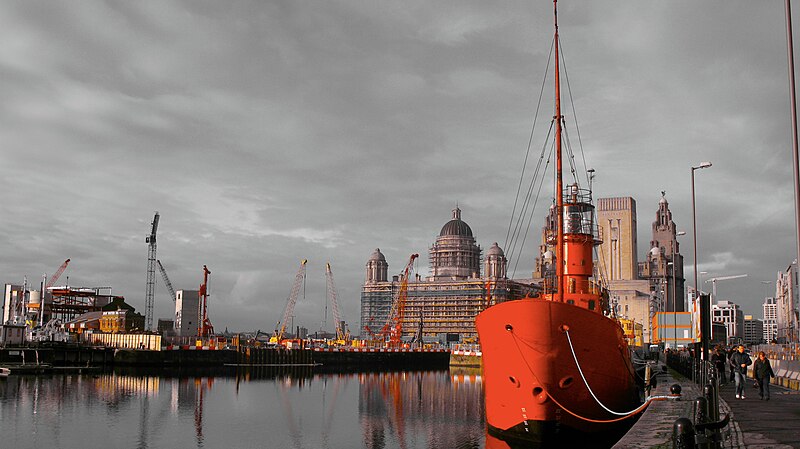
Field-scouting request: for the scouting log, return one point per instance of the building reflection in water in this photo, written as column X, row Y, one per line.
column 290, row 408
column 444, row 408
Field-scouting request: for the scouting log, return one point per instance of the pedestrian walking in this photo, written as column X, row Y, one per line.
column 762, row 371
column 720, row 362
column 740, row 361
column 733, row 368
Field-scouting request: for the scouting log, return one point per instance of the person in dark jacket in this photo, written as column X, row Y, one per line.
column 762, row 371
column 733, row 368
column 740, row 361
column 720, row 362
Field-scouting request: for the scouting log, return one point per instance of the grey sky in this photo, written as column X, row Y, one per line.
column 269, row 132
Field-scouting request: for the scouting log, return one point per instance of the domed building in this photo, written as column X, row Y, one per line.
column 455, row 255
column 444, row 304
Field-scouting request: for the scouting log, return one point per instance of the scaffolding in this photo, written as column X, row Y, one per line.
column 66, row 303
column 444, row 307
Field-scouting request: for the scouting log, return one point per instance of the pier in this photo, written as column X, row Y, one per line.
column 754, row 423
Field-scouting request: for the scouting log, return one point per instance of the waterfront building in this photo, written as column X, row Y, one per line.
column 729, row 314
column 632, row 300
column 617, row 255
column 639, row 289
column 13, row 298
column 753, row 330
column 446, row 301
column 187, row 312
column 663, row 267
column 770, row 319
column 166, row 327
column 787, row 304
column 113, row 318
column 455, row 255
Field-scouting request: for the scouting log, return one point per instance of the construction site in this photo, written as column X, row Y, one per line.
column 58, row 313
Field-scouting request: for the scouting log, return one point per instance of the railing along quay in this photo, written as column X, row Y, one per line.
column 690, row 419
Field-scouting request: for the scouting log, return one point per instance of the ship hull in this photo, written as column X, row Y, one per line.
column 533, row 387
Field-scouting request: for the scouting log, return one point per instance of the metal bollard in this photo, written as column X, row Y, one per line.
column 683, row 434
column 712, row 396
column 700, row 410
column 710, row 392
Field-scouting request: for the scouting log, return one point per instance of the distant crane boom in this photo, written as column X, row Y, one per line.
column 721, row 278
column 340, row 332
column 396, row 331
column 292, row 300
column 166, row 279
column 151, row 273
column 56, row 275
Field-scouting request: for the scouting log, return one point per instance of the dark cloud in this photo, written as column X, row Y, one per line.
column 266, row 133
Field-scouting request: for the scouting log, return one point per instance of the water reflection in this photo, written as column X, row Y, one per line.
column 445, row 410
column 263, row 407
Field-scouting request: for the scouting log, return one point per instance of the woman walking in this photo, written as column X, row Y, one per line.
column 762, row 371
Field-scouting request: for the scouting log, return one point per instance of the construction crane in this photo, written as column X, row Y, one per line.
column 166, row 279
column 56, row 275
column 722, row 278
column 341, row 335
column 151, row 273
column 205, row 328
column 290, row 302
column 396, row 318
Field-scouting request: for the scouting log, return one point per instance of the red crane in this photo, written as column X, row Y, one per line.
column 205, row 328
column 55, row 276
column 396, row 318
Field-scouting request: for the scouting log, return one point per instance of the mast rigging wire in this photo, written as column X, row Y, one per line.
column 530, row 141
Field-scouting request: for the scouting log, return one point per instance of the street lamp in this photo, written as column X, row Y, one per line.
column 703, row 336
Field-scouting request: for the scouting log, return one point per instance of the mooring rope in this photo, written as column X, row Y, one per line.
column 580, row 371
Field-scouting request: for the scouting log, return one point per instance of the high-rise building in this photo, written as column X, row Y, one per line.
column 447, row 301
column 770, row 319
column 616, row 218
column 753, row 330
column 664, row 264
column 187, row 312
column 729, row 314
column 788, row 305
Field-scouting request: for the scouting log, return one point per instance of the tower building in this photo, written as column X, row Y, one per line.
column 616, row 218
column 664, row 264
column 770, row 312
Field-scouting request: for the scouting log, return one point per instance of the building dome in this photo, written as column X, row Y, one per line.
column 377, row 268
column 377, row 255
column 455, row 255
column 456, row 227
column 495, row 250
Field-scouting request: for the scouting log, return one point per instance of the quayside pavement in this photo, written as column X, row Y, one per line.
column 759, row 424
column 755, row 424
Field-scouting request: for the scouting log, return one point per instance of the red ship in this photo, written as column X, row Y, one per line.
column 556, row 367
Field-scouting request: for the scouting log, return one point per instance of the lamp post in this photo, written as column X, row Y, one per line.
column 703, row 336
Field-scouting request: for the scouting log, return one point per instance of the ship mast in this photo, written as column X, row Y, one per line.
column 559, row 183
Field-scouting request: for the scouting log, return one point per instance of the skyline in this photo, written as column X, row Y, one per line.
column 270, row 132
